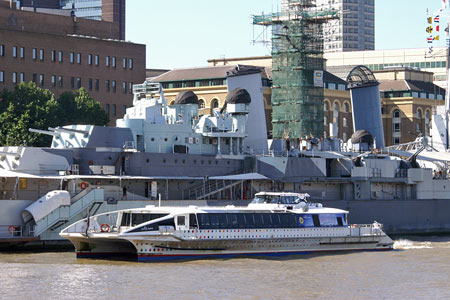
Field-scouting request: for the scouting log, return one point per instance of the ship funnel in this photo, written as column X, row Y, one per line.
column 366, row 103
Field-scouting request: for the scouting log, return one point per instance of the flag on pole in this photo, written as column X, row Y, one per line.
column 437, row 28
column 436, row 38
column 429, row 29
column 430, row 39
column 436, row 19
column 430, row 20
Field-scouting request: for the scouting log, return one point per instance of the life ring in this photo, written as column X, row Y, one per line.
column 301, row 220
column 4, row 180
column 11, row 229
column 104, row 227
column 83, row 185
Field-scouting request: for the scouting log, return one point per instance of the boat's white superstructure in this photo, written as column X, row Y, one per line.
column 273, row 224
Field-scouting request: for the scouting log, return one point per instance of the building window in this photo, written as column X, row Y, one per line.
column 107, row 87
column 201, row 104
column 113, row 62
column 346, row 107
column 90, row 59
column 427, row 122
column 79, row 58
column 124, row 109
column 22, row 52
column 96, row 58
column 215, row 103
column 396, row 140
column 14, row 54
column 72, row 82
column 130, row 61
column 124, row 87
column 41, row 79
column 60, row 81
column 114, row 86
column 97, row 84
column 130, row 87
column 344, row 136
column 107, row 109
column 53, row 80
column 326, row 106
column 2, row 50
column 72, row 57
column 90, row 84
column 22, row 77
column 60, row 56
column 2, row 76
column 325, row 121
column 53, row 55
column 14, row 77
column 34, row 77
column 34, row 54
column 107, row 61
column 114, row 110
column 344, row 122
column 124, row 62
column 396, row 114
column 41, row 54
column 79, row 82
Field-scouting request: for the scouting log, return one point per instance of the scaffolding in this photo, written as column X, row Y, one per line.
column 297, row 69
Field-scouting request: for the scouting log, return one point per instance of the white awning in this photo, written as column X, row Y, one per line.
column 247, row 176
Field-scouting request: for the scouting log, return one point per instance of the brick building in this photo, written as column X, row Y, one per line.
column 63, row 54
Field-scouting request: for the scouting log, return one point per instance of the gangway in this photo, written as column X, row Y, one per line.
column 65, row 213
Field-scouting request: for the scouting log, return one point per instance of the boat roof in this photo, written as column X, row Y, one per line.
column 282, row 194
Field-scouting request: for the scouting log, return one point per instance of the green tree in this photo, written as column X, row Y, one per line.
column 80, row 108
column 27, row 107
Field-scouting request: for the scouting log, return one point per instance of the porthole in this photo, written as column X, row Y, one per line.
column 152, row 139
column 217, row 162
column 209, row 162
column 228, row 162
column 148, row 160
column 164, row 161
column 195, row 161
column 165, row 139
column 183, row 161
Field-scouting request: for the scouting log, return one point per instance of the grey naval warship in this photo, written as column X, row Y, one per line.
column 170, row 155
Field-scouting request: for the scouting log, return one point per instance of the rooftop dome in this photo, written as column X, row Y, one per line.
column 186, row 97
column 238, row 96
column 362, row 136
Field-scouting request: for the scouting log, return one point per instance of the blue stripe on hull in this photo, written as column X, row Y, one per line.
column 169, row 257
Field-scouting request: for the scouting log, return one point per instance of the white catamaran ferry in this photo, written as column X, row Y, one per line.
column 273, row 224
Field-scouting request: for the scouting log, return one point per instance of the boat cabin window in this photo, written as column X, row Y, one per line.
column 134, row 219
column 193, row 221
column 268, row 220
column 155, row 226
column 181, row 220
column 277, row 199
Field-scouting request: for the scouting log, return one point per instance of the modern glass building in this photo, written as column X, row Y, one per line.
column 354, row 30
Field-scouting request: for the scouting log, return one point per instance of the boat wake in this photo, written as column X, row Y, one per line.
column 407, row 245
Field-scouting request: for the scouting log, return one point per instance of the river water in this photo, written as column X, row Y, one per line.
column 419, row 268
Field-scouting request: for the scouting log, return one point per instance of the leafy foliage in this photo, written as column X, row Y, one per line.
column 29, row 106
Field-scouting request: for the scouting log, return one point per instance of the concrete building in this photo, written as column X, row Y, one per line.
column 60, row 53
column 354, row 30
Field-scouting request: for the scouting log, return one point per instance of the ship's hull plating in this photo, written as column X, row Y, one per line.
column 169, row 248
